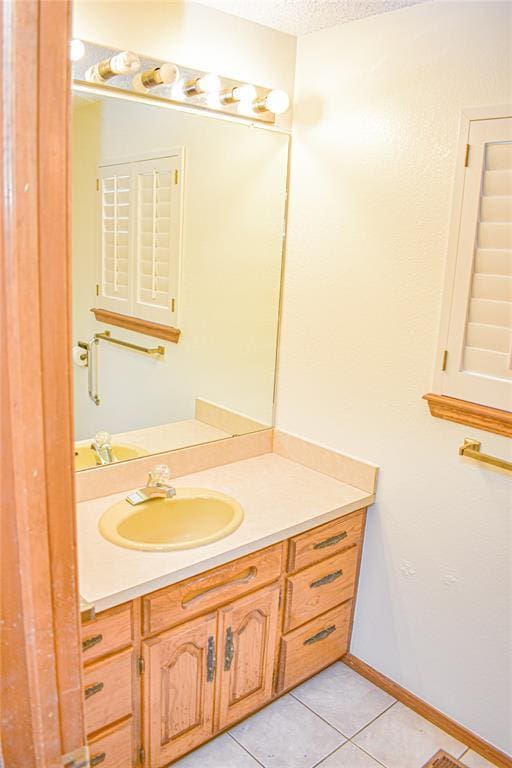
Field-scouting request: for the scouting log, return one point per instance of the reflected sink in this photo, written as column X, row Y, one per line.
column 85, row 457
column 192, row 518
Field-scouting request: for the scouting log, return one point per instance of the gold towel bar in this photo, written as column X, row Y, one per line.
column 151, row 351
column 471, row 449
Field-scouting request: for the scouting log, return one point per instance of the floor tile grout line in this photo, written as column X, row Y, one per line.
column 369, row 754
column 373, row 720
column 326, row 757
column 246, row 750
column 321, row 718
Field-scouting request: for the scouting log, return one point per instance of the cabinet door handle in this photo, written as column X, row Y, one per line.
column 210, row 660
column 229, row 650
column 331, row 540
column 90, row 641
column 320, row 635
column 326, row 579
column 97, row 759
column 90, row 690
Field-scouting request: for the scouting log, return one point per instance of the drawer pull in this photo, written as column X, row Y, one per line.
column 92, row 689
column 210, row 660
column 320, row 635
column 243, row 578
column 331, row 540
column 89, row 642
column 229, row 650
column 97, row 759
column 326, row 579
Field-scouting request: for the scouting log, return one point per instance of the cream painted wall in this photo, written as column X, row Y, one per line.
column 375, row 130
column 192, row 35
column 234, row 186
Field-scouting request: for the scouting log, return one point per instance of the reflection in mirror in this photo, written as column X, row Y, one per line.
column 178, row 222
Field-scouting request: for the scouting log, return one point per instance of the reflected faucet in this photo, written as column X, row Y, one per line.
column 157, row 487
column 102, row 447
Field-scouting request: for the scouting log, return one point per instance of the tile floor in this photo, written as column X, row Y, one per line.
column 335, row 720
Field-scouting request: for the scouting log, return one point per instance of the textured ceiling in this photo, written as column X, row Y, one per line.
column 298, row 17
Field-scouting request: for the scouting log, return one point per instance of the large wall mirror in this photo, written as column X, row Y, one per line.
column 178, row 222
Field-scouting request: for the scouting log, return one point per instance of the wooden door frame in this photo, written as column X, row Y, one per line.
column 41, row 691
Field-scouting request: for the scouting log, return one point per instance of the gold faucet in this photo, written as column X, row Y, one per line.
column 157, row 487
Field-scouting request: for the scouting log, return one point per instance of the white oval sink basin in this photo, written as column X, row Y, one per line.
column 192, row 518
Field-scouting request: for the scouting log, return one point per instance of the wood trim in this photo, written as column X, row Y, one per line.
column 40, row 642
column 429, row 712
column 166, row 332
column 472, row 414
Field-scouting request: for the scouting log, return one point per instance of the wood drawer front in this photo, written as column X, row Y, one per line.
column 181, row 602
column 108, row 690
column 325, row 541
column 319, row 588
column 113, row 748
column 109, row 632
column 314, row 646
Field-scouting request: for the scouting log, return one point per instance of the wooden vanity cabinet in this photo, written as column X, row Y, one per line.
column 200, row 655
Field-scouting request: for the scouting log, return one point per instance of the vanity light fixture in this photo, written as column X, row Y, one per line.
column 208, row 84
column 239, row 94
column 276, row 102
column 76, row 49
column 123, row 63
column 166, row 74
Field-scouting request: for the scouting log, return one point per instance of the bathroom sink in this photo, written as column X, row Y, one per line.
column 193, row 517
column 85, row 457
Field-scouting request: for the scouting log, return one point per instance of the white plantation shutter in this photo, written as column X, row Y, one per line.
column 479, row 345
column 140, row 238
column 114, row 235
column 157, row 240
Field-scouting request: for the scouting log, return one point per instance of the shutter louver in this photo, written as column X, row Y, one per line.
column 480, row 332
column 140, row 232
column 115, row 212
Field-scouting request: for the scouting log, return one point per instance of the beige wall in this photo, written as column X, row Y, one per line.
column 192, row 35
column 375, row 130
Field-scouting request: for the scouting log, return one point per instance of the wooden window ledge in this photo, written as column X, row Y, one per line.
column 166, row 332
column 474, row 415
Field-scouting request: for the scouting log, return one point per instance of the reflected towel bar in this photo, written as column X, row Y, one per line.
column 471, row 449
column 150, row 351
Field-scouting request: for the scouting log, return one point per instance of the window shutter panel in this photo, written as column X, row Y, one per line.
column 480, row 333
column 114, row 236
column 157, row 239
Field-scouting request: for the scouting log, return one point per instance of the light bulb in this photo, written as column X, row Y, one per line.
column 277, row 102
column 238, row 94
column 76, row 49
column 166, row 74
column 209, row 83
column 123, row 63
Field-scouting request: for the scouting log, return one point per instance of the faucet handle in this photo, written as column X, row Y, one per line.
column 102, row 438
column 160, row 475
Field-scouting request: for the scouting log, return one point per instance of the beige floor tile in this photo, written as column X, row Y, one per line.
column 472, row 760
column 343, row 698
column 222, row 752
column 402, row 739
column 349, row 756
column 287, row 735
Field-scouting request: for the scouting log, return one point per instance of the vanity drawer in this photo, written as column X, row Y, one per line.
column 325, row 541
column 182, row 601
column 109, row 632
column 114, row 748
column 108, row 690
column 314, row 646
column 319, row 588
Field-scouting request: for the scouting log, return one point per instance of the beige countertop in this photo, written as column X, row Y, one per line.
column 280, row 498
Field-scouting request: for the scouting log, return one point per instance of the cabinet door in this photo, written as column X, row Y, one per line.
column 178, row 690
column 247, row 645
